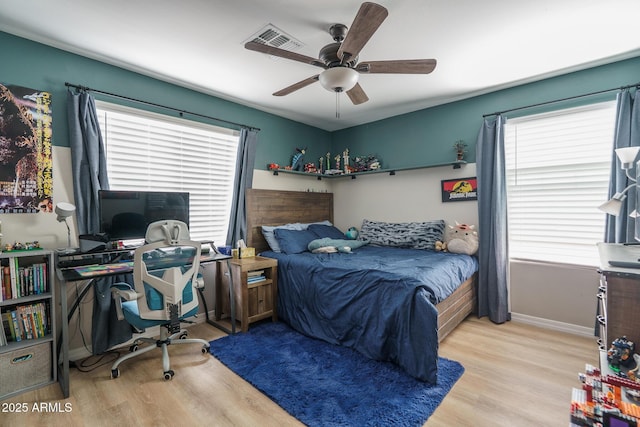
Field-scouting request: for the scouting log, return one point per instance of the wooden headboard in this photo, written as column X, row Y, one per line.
column 276, row 207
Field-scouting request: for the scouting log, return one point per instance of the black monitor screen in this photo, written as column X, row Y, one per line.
column 126, row 214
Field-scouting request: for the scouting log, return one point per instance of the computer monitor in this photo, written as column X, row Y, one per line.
column 125, row 215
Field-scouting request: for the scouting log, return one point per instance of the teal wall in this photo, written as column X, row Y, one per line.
column 37, row 66
column 426, row 137
column 423, row 137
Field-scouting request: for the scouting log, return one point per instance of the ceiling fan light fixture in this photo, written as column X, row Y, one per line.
column 338, row 79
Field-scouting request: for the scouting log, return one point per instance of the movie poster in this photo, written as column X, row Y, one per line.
column 461, row 189
column 26, row 181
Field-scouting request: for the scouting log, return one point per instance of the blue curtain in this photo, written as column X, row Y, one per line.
column 88, row 161
column 244, row 177
column 620, row 229
column 493, row 254
column 89, row 170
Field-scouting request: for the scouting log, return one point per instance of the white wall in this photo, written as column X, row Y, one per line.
column 555, row 295
column 412, row 195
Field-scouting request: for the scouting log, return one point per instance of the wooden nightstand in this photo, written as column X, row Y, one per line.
column 255, row 287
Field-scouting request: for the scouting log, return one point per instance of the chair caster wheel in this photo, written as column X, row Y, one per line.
column 133, row 348
column 183, row 335
column 115, row 373
column 168, row 375
column 205, row 349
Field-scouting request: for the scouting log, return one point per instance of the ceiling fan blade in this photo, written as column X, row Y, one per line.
column 409, row 66
column 366, row 22
column 270, row 50
column 296, row 86
column 357, row 95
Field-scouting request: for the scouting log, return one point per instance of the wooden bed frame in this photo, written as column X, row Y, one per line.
column 276, row 207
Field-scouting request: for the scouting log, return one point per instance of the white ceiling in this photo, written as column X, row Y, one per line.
column 480, row 46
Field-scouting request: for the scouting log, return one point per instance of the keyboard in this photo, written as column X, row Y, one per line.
column 624, row 264
column 77, row 262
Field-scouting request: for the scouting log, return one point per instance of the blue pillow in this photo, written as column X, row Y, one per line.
column 329, row 231
column 268, row 232
column 270, row 237
column 294, row 241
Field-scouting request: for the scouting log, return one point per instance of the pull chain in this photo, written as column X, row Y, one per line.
column 337, row 105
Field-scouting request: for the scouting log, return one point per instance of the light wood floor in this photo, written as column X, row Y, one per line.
column 515, row 375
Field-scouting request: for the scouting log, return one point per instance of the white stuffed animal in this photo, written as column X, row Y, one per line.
column 461, row 239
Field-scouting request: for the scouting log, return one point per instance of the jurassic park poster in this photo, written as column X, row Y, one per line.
column 460, row 189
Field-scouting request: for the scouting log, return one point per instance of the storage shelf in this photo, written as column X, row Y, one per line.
column 259, row 283
column 390, row 171
column 41, row 352
column 17, row 345
column 24, row 300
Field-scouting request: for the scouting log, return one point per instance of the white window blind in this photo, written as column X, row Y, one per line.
column 558, row 167
column 153, row 152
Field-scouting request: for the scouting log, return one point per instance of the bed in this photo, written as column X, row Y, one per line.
column 385, row 303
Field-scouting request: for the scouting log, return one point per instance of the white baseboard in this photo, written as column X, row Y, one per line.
column 553, row 325
column 82, row 352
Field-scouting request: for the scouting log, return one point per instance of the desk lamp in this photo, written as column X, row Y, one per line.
column 64, row 210
column 627, row 156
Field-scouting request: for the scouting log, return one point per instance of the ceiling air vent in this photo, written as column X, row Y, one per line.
column 275, row 37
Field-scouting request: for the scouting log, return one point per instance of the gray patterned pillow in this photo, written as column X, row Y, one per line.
column 416, row 235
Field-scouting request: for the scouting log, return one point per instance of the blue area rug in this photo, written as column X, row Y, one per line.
column 327, row 385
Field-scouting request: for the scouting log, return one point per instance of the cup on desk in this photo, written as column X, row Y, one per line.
column 224, row 250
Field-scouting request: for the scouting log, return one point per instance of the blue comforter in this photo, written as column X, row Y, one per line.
column 377, row 300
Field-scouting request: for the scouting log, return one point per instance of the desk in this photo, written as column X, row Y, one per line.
column 619, row 294
column 77, row 266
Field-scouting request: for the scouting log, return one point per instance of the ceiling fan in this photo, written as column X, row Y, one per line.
column 340, row 59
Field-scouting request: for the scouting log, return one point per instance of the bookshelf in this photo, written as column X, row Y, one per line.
column 28, row 357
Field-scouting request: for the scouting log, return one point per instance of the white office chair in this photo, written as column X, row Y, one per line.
column 166, row 278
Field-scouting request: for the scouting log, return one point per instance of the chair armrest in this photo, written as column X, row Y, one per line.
column 125, row 294
column 199, row 282
column 122, row 294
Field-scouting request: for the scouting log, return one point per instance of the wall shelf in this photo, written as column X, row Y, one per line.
column 390, row 171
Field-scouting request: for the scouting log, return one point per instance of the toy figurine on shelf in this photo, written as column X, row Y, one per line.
column 620, row 355
column 321, row 161
column 298, row 159
column 460, row 146
column 328, row 161
column 345, row 160
column 337, row 159
column 19, row 246
column 310, row 168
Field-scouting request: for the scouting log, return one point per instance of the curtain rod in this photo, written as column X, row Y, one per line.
column 636, row 85
column 87, row 89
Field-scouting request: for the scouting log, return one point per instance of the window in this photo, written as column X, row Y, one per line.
column 558, row 167
column 154, row 152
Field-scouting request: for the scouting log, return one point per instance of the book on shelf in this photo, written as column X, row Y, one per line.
column 26, row 322
column 254, row 279
column 20, row 282
column 12, row 273
column 253, row 273
column 3, row 334
column 6, row 281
